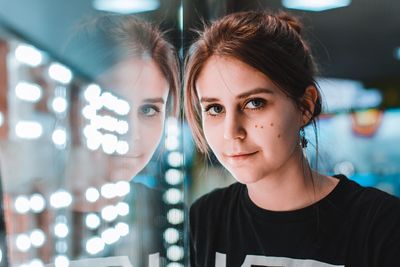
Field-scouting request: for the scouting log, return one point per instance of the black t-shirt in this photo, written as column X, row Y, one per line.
column 351, row 226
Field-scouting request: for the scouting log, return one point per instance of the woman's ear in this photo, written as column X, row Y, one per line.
column 309, row 100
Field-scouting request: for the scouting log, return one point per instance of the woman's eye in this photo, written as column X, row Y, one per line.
column 255, row 104
column 214, row 110
column 149, row 110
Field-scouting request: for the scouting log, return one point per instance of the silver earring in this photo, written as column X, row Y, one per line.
column 303, row 139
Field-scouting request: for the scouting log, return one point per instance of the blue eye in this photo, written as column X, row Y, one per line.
column 149, row 110
column 256, row 103
column 214, row 110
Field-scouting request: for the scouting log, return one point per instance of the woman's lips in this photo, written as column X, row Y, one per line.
column 241, row 155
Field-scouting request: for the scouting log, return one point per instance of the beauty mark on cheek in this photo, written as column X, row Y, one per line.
column 279, row 136
column 272, row 124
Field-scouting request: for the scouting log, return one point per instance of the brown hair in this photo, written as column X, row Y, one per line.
column 270, row 43
column 105, row 40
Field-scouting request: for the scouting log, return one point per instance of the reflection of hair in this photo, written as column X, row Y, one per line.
column 270, row 43
column 106, row 40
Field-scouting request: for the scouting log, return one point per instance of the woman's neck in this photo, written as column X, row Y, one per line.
column 291, row 187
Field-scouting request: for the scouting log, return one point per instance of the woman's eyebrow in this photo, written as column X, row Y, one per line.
column 242, row 95
column 154, row 100
column 255, row 91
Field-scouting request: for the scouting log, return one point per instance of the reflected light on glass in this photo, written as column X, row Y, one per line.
column 109, row 143
column 122, row 147
column 92, row 93
column 122, row 229
column 122, row 127
column 173, row 176
column 109, row 213
column 173, row 196
column 175, row 253
column 61, row 230
column 22, row 204
column 94, row 245
column 110, row 236
column 320, row 5
column 174, row 264
column 126, row 6
column 1, row 118
column 59, row 137
column 171, row 235
column 122, row 209
column 23, row 242
column 37, row 238
column 92, row 194
column 175, row 216
column 171, row 143
column 108, row 190
column 61, row 261
column 60, row 73
column 29, row 55
column 89, row 112
column 92, row 221
column 122, row 188
column 93, row 137
column 37, row 203
column 59, row 104
column 122, row 107
column 175, row 159
column 36, row 263
column 28, row 129
column 60, row 199
column 28, row 92
column 397, row 53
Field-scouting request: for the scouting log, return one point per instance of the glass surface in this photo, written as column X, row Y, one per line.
column 91, row 161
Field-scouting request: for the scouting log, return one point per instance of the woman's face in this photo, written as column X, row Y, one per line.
column 249, row 123
column 141, row 83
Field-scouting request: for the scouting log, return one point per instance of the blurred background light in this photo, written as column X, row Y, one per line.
column 173, row 196
column 61, row 230
column 28, row 129
column 37, row 238
column 22, row 204
column 36, row 263
column 59, row 104
column 60, row 199
column 109, row 143
column 397, row 53
column 92, row 221
column 319, row 5
column 92, row 93
column 122, row 127
column 126, row 6
column 175, row 216
column 61, row 261
column 109, row 213
column 122, row 147
column 122, row 209
column 92, row 194
column 171, row 235
column 94, row 245
column 29, row 55
column 122, row 228
column 175, row 253
column 110, row 236
column 60, row 73
column 175, row 159
column 122, row 188
column 173, row 176
column 23, row 242
column 37, row 203
column 28, row 91
column 175, row 264
column 59, row 137
column 61, row 246
column 1, row 118
column 108, row 190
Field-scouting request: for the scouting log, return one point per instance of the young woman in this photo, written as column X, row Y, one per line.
column 249, row 93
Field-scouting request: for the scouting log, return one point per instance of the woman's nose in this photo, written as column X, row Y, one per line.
column 233, row 126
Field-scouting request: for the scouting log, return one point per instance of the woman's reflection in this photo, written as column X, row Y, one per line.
column 130, row 60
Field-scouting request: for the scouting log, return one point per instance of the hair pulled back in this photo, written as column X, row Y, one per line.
column 271, row 43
